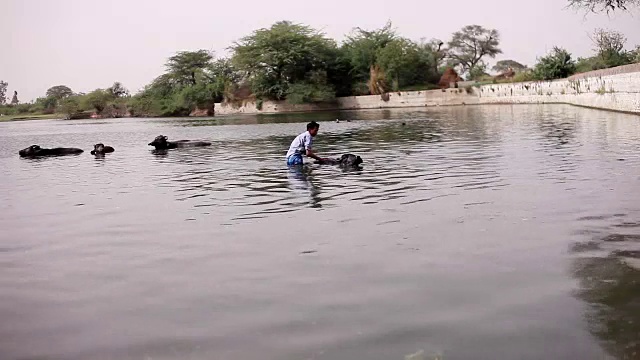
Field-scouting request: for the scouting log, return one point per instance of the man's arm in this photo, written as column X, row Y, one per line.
column 312, row 155
column 308, row 141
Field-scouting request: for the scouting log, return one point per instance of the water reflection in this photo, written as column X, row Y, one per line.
column 160, row 153
column 457, row 218
column 608, row 270
column 418, row 160
column 559, row 131
column 301, row 182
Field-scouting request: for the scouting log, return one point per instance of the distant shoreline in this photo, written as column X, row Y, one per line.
column 22, row 117
column 615, row 89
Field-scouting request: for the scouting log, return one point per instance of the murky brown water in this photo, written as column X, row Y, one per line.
column 502, row 232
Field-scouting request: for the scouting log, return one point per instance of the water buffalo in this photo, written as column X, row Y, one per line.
column 100, row 149
column 346, row 161
column 35, row 151
column 161, row 143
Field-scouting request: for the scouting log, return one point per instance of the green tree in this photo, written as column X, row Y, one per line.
column 159, row 98
column 59, row 92
column 144, row 104
column 222, row 75
column 381, row 60
column 362, row 47
column 23, row 108
column 3, row 92
column 588, row 64
column 223, row 69
column 118, row 91
column 405, row 63
column 339, row 74
column 165, row 96
column 275, row 58
column 175, row 94
column 478, row 72
column 162, row 86
column 69, row 106
column 470, row 45
column 46, row 104
column 604, row 5
column 635, row 55
column 609, row 47
column 314, row 90
column 186, row 66
column 97, row 99
column 434, row 53
column 202, row 95
column 393, row 59
column 503, row 66
column 556, row 65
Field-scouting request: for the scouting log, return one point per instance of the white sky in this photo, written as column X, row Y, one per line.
column 86, row 44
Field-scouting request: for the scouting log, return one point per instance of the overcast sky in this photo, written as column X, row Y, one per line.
column 87, row 44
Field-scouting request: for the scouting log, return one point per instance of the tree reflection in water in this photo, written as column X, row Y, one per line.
column 608, row 271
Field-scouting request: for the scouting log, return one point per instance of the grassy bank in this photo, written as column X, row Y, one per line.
column 30, row 117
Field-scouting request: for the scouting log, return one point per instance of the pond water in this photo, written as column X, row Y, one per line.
column 497, row 232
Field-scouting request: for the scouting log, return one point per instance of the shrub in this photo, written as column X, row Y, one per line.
column 310, row 93
column 524, row 76
column 201, row 95
column 23, row 108
column 360, row 88
column 70, row 106
column 557, row 65
column 7, row 110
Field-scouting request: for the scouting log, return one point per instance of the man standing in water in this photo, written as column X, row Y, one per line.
column 302, row 144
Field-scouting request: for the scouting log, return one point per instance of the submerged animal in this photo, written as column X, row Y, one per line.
column 346, row 160
column 100, row 149
column 36, row 150
column 161, row 143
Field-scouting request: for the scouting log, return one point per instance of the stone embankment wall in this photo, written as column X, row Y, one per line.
column 610, row 89
column 269, row 107
column 395, row 100
column 442, row 97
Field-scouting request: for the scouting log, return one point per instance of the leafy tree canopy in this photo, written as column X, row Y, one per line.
column 556, row 65
column 3, row 92
column 504, row 65
column 97, row 99
column 118, row 91
column 362, row 48
column 470, row 45
column 284, row 54
column 59, row 92
column 186, row 66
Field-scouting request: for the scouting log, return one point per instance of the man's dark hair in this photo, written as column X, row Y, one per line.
column 313, row 125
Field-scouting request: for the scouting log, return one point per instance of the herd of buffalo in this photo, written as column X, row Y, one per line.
column 161, row 142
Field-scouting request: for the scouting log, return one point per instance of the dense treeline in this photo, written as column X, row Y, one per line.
column 299, row 64
column 292, row 62
column 109, row 102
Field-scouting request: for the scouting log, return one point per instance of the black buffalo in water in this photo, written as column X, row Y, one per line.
column 100, row 149
column 161, row 143
column 345, row 161
column 35, row 151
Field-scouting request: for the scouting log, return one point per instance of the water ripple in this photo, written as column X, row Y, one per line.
column 460, row 216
